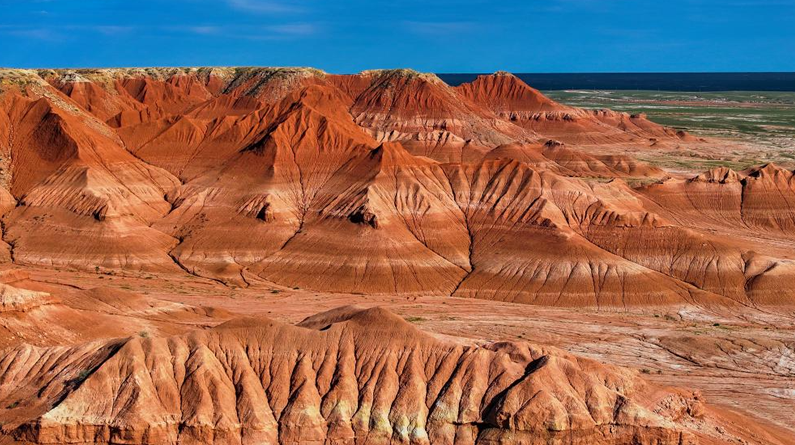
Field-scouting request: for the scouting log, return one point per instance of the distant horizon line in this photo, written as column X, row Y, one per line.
column 394, row 68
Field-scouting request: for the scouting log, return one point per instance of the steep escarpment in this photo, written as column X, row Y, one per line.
column 364, row 376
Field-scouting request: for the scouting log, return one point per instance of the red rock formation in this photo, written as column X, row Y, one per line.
column 427, row 116
column 67, row 318
column 68, row 171
column 13, row 299
column 385, row 182
column 505, row 93
column 380, row 182
column 363, row 376
column 558, row 158
column 513, row 100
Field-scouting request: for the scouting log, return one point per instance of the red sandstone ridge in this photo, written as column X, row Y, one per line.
column 504, row 93
column 347, row 376
column 383, row 182
column 427, row 116
column 512, row 99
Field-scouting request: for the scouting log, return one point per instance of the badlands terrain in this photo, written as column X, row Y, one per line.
column 281, row 255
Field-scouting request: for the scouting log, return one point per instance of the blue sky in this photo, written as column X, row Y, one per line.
column 345, row 36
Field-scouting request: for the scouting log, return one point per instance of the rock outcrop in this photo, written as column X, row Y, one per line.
column 349, row 376
column 13, row 299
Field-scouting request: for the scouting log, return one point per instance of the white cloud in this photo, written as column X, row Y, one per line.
column 204, row 30
column 251, row 32
column 34, row 33
column 264, row 6
column 293, row 29
column 440, row 28
column 255, row 32
column 111, row 30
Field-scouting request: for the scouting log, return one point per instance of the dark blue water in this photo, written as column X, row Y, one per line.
column 650, row 81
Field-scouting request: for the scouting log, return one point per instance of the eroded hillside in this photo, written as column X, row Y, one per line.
column 384, row 182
